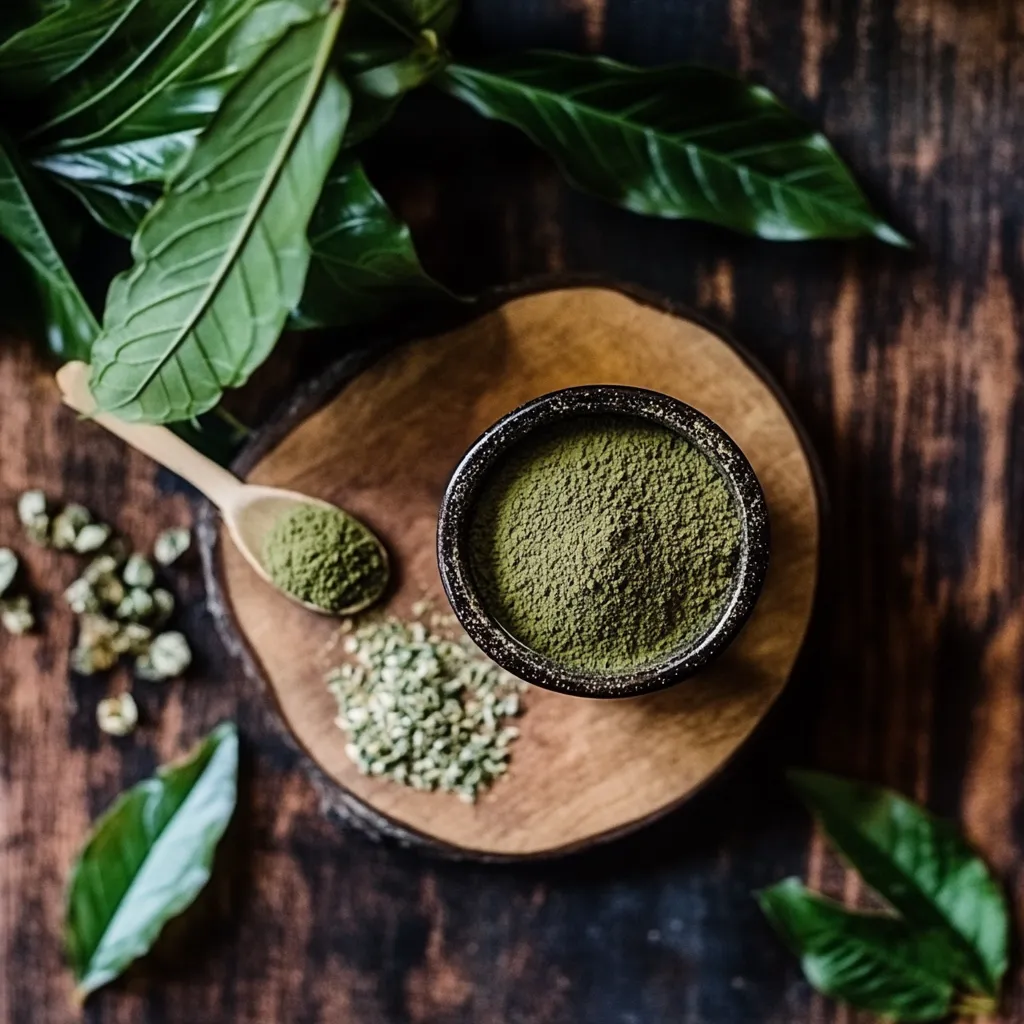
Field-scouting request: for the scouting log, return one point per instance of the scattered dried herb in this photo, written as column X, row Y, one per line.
column 166, row 657
column 121, row 611
column 945, row 947
column 171, row 545
column 16, row 615
column 424, row 711
column 8, row 569
column 117, row 716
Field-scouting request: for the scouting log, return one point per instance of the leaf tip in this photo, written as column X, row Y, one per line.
column 889, row 235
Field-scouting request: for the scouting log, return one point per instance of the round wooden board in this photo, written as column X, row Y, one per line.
column 384, row 446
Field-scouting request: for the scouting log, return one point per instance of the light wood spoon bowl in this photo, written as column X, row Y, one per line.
column 249, row 511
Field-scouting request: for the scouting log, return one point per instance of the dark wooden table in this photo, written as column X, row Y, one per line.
column 906, row 370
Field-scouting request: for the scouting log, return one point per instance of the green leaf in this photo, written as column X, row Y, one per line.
column 921, row 865
column 677, row 141
column 53, row 47
column 872, row 961
column 364, row 263
column 377, row 32
column 415, row 15
column 221, row 260
column 29, row 220
column 132, row 110
column 16, row 16
column 148, row 858
column 117, row 208
column 128, row 163
column 387, row 48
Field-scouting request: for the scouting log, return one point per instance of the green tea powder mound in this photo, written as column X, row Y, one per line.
column 605, row 543
column 325, row 558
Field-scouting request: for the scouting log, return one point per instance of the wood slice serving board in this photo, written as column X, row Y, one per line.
column 383, row 446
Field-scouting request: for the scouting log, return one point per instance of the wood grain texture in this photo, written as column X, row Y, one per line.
column 384, row 448
column 906, row 368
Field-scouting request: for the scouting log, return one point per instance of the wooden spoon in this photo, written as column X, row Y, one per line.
column 249, row 511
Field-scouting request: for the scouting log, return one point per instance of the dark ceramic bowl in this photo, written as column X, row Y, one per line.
column 460, row 497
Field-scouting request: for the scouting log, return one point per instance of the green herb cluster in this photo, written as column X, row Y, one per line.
column 223, row 137
column 943, row 947
column 605, row 543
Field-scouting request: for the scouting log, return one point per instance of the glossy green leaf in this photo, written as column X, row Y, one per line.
column 147, row 859
column 677, row 141
column 364, row 264
column 872, row 961
column 221, row 260
column 387, row 48
column 32, row 222
column 130, row 163
column 131, row 112
column 436, row 15
column 56, row 45
column 378, row 32
column 920, row 864
column 118, row 208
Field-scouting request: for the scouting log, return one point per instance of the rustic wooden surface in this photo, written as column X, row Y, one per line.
column 906, row 368
column 583, row 770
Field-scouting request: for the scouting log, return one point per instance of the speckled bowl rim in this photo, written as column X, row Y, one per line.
column 570, row 403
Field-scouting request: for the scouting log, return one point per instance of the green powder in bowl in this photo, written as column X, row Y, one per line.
column 605, row 543
column 325, row 558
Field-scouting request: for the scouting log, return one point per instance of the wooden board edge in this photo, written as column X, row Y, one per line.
column 337, row 802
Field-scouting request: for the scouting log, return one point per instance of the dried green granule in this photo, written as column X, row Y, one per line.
column 424, row 711
column 325, row 558
column 605, row 543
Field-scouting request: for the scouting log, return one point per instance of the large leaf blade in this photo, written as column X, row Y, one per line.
column 871, row 961
column 920, row 864
column 56, row 45
column 147, row 859
column 117, row 208
column 28, row 223
column 678, row 141
column 364, row 263
column 127, row 164
column 221, row 260
column 132, row 111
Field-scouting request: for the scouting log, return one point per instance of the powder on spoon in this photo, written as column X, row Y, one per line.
column 605, row 543
column 325, row 558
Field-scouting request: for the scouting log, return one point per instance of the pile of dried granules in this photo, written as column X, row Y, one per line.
column 121, row 607
column 424, row 711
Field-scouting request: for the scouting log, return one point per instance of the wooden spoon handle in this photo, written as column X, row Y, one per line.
column 159, row 443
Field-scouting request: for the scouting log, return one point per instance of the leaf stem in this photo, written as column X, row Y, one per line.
column 232, row 421
column 392, row 21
